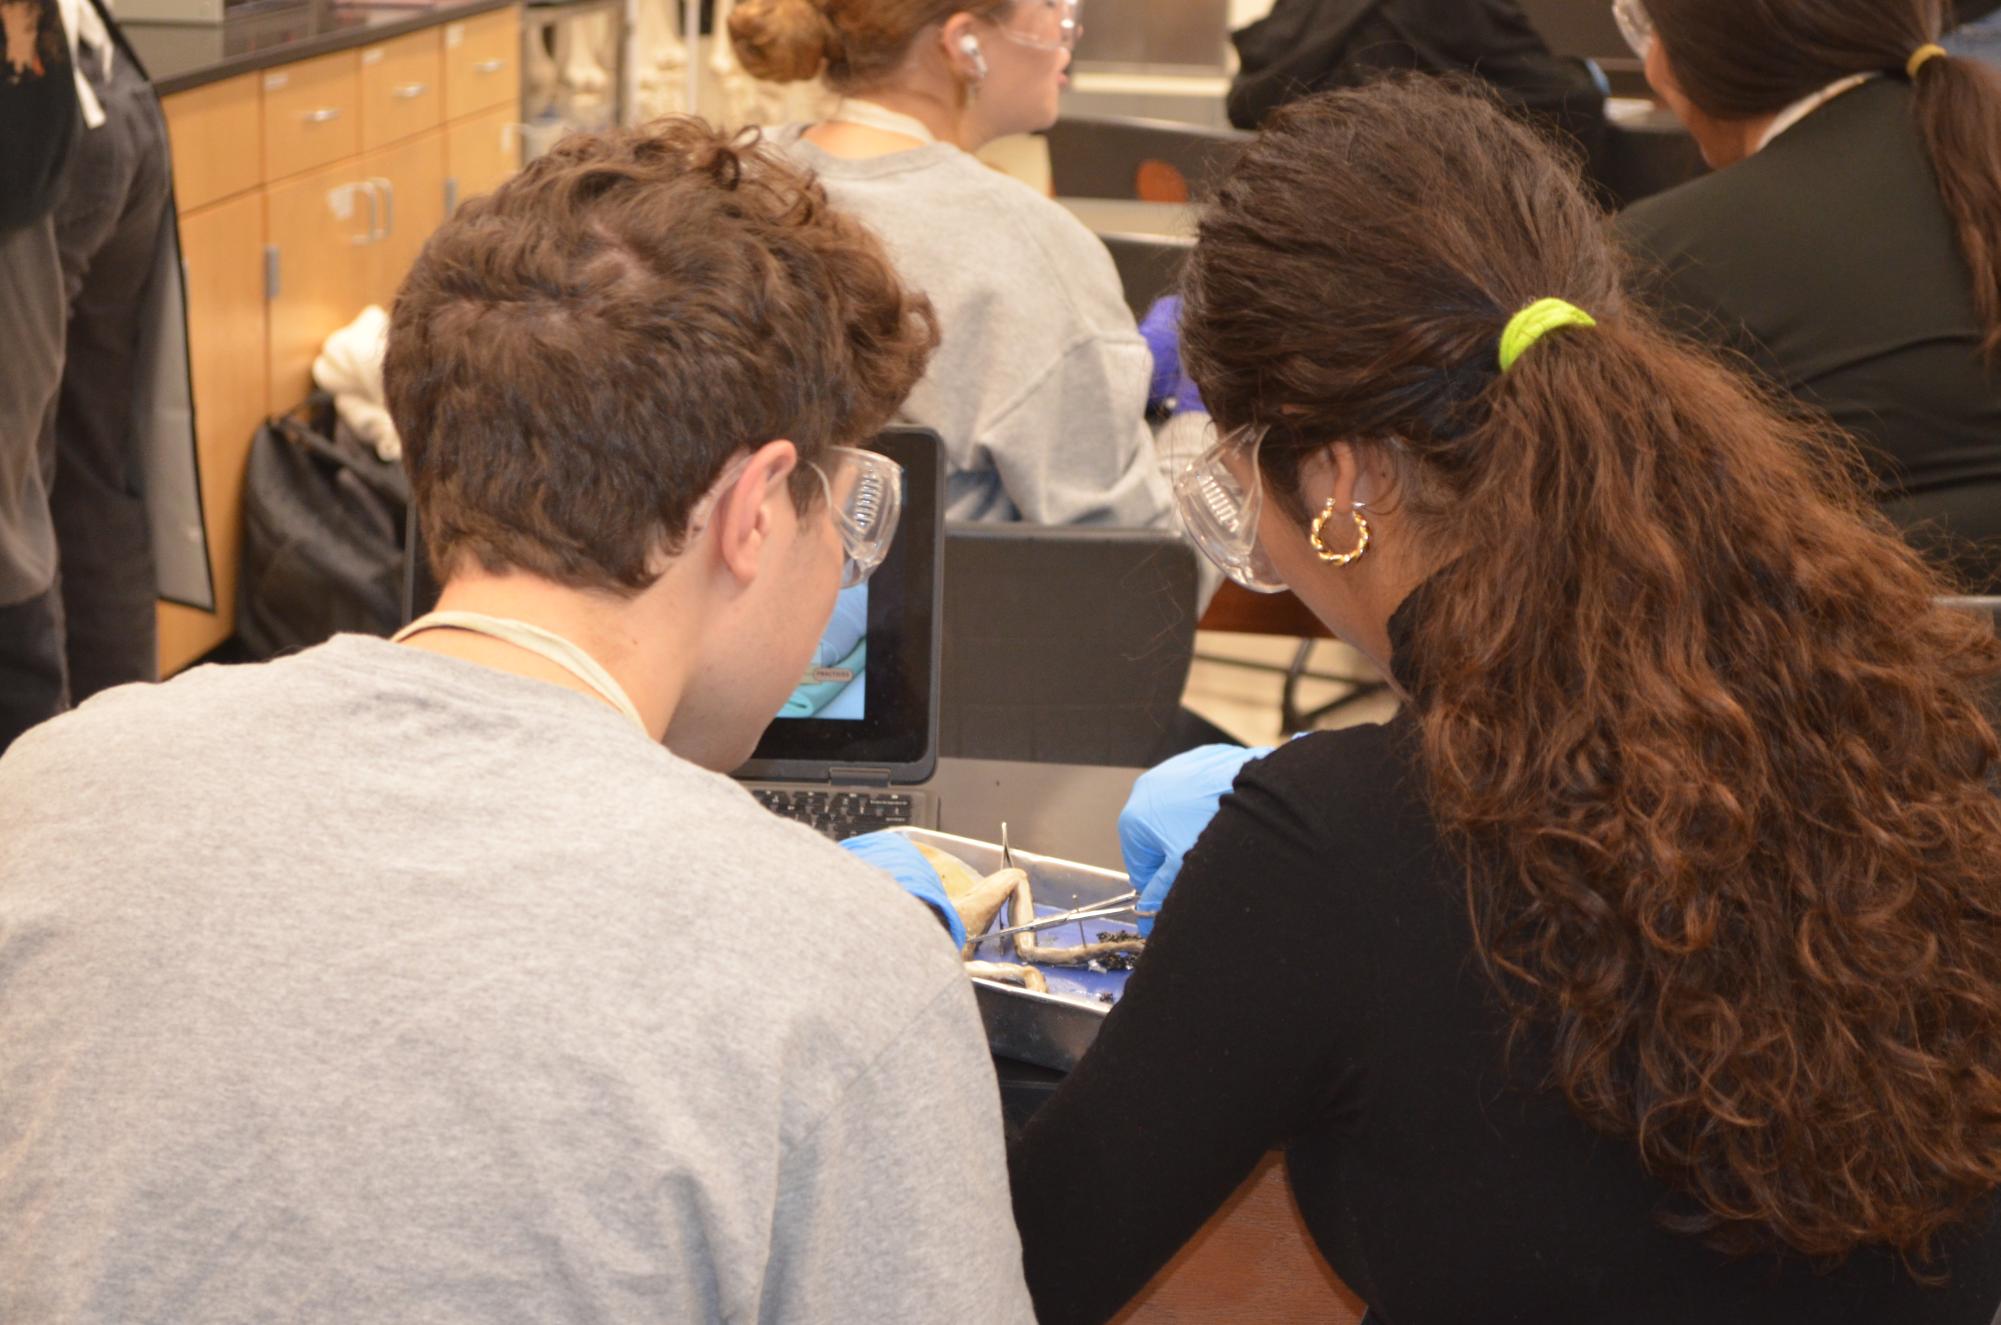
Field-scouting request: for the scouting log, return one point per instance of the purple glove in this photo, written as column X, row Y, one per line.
column 1161, row 328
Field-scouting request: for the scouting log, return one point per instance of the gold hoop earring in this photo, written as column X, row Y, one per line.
column 1321, row 550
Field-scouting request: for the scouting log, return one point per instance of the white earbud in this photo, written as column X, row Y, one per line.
column 969, row 46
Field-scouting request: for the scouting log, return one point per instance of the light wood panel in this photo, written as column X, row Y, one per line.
column 1253, row 1261
column 413, row 175
column 217, row 138
column 482, row 62
column 402, row 88
column 481, row 151
column 312, row 113
column 320, row 225
column 222, row 250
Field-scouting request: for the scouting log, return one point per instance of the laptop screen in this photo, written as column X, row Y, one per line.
column 869, row 696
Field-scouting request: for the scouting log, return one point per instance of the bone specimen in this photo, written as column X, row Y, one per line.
column 978, row 899
column 1009, row 973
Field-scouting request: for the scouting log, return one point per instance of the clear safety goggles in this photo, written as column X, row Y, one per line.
column 865, row 499
column 1050, row 25
column 1635, row 25
column 1221, row 515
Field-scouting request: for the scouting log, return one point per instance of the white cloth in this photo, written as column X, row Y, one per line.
column 1806, row 106
column 350, row 367
column 82, row 25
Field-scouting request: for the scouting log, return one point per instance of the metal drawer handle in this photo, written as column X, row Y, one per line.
column 324, row 115
column 410, row 91
column 367, row 189
column 388, row 190
column 489, row 66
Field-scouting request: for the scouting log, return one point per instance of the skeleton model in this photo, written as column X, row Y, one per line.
column 979, row 898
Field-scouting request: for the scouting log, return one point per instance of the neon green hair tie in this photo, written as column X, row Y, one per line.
column 1536, row 321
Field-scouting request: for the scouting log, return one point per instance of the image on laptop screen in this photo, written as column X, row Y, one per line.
column 835, row 687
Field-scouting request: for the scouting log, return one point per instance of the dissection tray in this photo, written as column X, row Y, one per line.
column 1054, row 1029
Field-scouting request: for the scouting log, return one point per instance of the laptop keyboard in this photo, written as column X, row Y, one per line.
column 837, row 814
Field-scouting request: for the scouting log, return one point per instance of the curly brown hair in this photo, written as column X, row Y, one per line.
column 575, row 357
column 1713, row 754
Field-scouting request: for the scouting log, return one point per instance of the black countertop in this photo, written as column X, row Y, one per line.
column 184, row 55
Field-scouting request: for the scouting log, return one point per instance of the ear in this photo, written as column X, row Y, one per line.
column 754, row 508
column 952, row 34
column 1351, row 475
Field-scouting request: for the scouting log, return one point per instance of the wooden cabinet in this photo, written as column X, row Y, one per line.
column 411, row 178
column 317, row 227
column 312, row 114
column 217, row 134
column 481, row 151
column 402, row 89
column 305, row 191
column 222, row 253
column 482, row 63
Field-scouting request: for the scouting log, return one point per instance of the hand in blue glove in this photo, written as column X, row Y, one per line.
column 893, row 854
column 1161, row 329
column 1169, row 807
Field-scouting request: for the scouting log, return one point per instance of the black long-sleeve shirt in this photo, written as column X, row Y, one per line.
column 1312, row 985
column 1830, row 260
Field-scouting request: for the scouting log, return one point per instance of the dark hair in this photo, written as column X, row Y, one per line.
column 1739, row 60
column 856, row 44
column 1713, row 755
column 575, row 357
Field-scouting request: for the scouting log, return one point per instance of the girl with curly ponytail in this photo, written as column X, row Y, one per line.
column 1647, row 967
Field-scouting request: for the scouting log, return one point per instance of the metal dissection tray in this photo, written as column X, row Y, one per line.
column 1054, row 1029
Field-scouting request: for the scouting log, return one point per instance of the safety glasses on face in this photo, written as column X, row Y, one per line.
column 1044, row 25
column 865, row 500
column 1635, row 25
column 1221, row 515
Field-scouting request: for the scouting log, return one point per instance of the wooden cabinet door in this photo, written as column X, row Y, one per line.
column 480, row 152
column 482, row 62
column 411, row 178
column 320, row 227
column 222, row 250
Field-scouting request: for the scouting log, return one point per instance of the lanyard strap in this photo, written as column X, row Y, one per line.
column 543, row 643
column 869, row 115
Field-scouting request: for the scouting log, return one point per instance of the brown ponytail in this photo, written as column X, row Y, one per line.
column 1959, row 112
column 854, row 44
column 1739, row 61
column 1714, row 758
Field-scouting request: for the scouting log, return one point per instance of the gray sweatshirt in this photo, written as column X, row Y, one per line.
column 1039, row 385
column 369, row 985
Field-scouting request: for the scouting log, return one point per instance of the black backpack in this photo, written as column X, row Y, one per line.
column 323, row 546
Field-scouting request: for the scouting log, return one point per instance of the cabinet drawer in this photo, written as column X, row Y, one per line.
column 311, row 114
column 215, row 133
column 482, row 62
column 402, row 89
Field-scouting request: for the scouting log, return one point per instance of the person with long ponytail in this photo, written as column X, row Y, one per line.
column 1646, row 968
column 1849, row 241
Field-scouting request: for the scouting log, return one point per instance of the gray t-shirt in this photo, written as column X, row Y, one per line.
column 1040, row 379
column 369, row 985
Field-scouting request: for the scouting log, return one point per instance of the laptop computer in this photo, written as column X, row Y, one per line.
column 847, row 752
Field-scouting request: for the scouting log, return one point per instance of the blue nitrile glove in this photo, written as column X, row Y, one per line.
column 893, row 854
column 1161, row 329
column 1169, row 807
